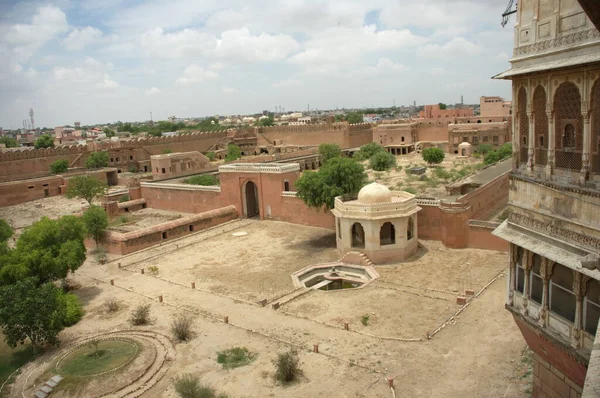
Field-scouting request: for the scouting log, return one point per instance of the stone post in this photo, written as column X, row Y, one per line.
column 551, row 140
column 512, row 249
column 545, row 271
column 579, row 290
column 585, row 153
column 527, row 260
column 530, row 139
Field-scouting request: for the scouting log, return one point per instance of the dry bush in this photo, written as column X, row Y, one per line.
column 182, row 327
column 140, row 315
column 287, row 368
column 112, row 305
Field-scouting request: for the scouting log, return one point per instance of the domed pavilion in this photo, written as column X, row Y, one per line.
column 378, row 222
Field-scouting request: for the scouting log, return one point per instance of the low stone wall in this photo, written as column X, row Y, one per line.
column 132, row 205
column 480, row 236
column 293, row 210
column 125, row 243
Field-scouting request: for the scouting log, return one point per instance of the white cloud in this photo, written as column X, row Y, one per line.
column 502, row 56
column 458, row 47
column 438, row 71
column 240, row 45
column 182, row 44
column 229, row 90
column 152, row 91
column 287, row 83
column 78, row 39
column 195, row 74
column 107, row 83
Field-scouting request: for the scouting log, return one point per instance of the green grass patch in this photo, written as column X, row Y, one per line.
column 12, row 359
column 91, row 359
column 205, row 179
column 235, row 357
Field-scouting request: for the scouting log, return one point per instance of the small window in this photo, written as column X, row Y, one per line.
column 130, row 157
column 191, row 227
column 164, row 170
column 569, row 137
column 485, row 138
column 339, row 227
column 31, row 187
column 112, row 159
column 402, row 139
column 495, row 139
column 591, row 307
column 164, row 235
column 520, row 271
column 45, row 185
column 541, row 141
column 286, row 186
column 562, row 297
column 127, row 210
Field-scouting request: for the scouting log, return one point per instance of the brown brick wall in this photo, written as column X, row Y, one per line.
column 549, row 382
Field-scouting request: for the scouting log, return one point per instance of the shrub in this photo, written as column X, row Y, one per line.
column 433, row 155
column 141, row 315
column 166, row 151
column 505, row 150
column 74, row 311
column 124, row 198
column 235, row 357
column 132, row 169
column 153, row 269
column 182, row 327
column 97, row 160
column 112, row 305
column 205, row 179
column 101, row 254
column 382, row 161
column 365, row 319
column 368, row 150
column 410, row 190
column 398, row 168
column 329, row 151
column 287, row 367
column 210, row 155
column 189, row 386
column 233, row 152
column 439, row 172
column 484, row 148
column 59, row 166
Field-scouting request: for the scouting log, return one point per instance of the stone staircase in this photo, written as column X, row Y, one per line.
column 357, row 258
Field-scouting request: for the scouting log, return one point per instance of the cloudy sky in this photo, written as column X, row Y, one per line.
column 97, row 61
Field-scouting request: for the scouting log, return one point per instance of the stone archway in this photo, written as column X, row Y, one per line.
column 250, row 195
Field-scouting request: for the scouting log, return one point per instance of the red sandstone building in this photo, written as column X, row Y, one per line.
column 554, row 199
column 434, row 112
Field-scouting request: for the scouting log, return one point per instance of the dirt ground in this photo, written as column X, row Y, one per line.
column 144, row 218
column 478, row 354
column 398, row 179
column 25, row 214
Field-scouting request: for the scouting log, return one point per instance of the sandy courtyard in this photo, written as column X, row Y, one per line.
column 478, row 353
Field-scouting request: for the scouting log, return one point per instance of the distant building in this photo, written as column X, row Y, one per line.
column 434, row 112
column 371, row 118
column 494, row 106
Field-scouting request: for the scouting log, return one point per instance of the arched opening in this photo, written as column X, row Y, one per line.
column 286, row 186
column 358, row 235
column 540, row 126
column 339, row 228
column 410, row 229
column 595, row 127
column 569, row 124
column 523, row 124
column 464, row 152
column 387, row 234
column 250, row 199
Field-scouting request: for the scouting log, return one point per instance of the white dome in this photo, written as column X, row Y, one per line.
column 374, row 193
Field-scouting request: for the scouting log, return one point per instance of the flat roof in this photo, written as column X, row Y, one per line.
column 544, row 66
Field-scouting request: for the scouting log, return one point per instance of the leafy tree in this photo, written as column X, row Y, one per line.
column 9, row 142
column 336, row 177
column 47, row 250
column 354, row 117
column 484, row 148
column 109, row 133
column 33, row 312
column 439, row 172
column 382, row 161
column 210, row 155
column 339, row 118
column 73, row 309
column 95, row 221
column 266, row 122
column 205, row 179
column 5, row 233
column 233, row 152
column 59, row 166
column 505, row 150
column 368, row 150
column 443, row 106
column 97, row 160
column 85, row 187
column 433, row 155
column 44, row 141
column 329, row 151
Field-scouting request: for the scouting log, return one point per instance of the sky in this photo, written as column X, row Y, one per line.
column 100, row 61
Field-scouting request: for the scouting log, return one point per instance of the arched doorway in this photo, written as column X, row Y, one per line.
column 250, row 200
column 358, row 236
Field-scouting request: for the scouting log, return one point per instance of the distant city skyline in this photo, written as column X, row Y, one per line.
column 120, row 60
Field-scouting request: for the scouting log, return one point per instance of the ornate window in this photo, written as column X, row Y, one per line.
column 569, row 123
column 523, row 124
column 591, row 307
column 595, row 127
column 387, row 234
column 562, row 297
column 541, row 125
column 536, row 281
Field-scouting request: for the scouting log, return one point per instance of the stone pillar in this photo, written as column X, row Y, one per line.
column 511, row 273
column 530, row 139
column 551, row 140
column 546, row 271
column 527, row 256
column 585, row 153
column 579, row 290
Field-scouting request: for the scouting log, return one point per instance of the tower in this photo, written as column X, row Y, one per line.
column 31, row 117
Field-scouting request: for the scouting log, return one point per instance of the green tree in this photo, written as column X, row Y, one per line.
column 85, row 187
column 505, row 150
column 433, row 155
column 339, row 118
column 109, row 133
column 95, row 221
column 329, row 151
column 354, row 117
column 44, row 141
column 31, row 311
column 491, row 157
column 9, row 142
column 382, row 161
column 233, row 152
column 443, row 106
column 210, row 155
column 336, row 177
column 368, row 150
column 439, row 172
column 47, row 250
column 59, row 166
column 484, row 148
column 5, row 233
column 205, row 179
column 266, row 122
column 97, row 160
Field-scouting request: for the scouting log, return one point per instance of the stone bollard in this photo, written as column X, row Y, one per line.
column 119, row 265
column 469, row 292
column 461, row 300
column 275, row 306
column 112, row 282
column 316, row 348
column 390, row 381
column 226, row 319
column 160, row 299
column 346, row 327
column 193, row 285
column 142, row 271
column 263, row 302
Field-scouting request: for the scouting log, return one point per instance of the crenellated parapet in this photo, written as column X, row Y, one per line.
column 8, row 156
column 307, row 128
